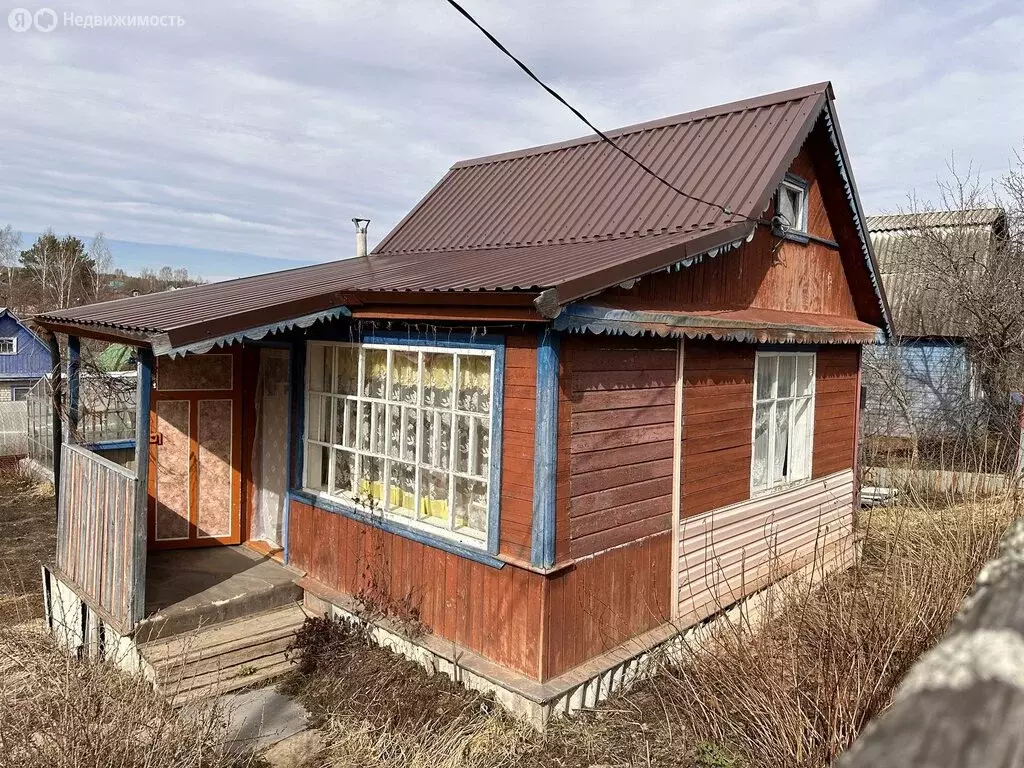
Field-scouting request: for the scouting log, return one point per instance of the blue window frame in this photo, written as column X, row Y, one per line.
column 406, row 431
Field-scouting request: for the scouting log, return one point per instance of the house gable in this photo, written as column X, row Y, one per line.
column 32, row 359
column 827, row 275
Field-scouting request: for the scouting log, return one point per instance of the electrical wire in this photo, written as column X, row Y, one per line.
column 604, row 137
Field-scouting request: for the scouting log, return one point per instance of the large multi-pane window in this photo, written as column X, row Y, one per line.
column 783, row 419
column 405, row 431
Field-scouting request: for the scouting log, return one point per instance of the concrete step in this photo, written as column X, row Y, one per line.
column 224, row 657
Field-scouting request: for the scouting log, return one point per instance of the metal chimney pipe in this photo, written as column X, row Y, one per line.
column 361, row 226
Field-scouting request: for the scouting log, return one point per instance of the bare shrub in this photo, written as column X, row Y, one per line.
column 58, row 712
column 792, row 687
column 798, row 686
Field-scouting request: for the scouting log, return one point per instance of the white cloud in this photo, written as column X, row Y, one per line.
column 265, row 129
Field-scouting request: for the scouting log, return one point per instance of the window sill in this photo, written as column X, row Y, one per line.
column 350, row 511
column 776, row 490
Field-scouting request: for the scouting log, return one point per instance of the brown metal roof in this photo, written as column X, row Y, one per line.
column 570, row 219
column 920, row 304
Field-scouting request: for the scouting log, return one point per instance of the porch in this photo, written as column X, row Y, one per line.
column 190, row 589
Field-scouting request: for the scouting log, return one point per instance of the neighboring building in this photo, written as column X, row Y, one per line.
column 561, row 412
column 24, row 357
column 921, row 384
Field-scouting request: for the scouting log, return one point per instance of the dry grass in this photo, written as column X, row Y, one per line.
column 29, row 525
column 57, row 712
column 793, row 689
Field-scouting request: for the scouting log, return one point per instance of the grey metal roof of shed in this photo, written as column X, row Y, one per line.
column 919, row 305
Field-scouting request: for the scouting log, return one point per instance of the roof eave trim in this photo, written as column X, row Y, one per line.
column 162, row 345
column 860, row 220
column 586, row 318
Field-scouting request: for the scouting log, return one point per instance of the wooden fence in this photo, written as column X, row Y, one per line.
column 97, row 534
column 962, row 703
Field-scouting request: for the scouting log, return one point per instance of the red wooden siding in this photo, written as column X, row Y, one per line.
column 602, row 601
column 494, row 612
column 835, row 409
column 765, row 274
column 516, row 518
column 718, row 397
column 622, row 395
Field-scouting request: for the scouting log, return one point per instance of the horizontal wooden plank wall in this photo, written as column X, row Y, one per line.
column 516, row 518
column 494, row 612
column 622, row 394
column 96, row 525
column 601, row 602
column 729, row 553
column 718, row 410
column 836, row 400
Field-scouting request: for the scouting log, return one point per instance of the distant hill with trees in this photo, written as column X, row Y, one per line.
column 57, row 272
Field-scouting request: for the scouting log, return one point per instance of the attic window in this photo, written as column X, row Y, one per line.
column 8, row 345
column 791, row 204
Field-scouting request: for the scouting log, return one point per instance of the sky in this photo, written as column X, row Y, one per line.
column 246, row 138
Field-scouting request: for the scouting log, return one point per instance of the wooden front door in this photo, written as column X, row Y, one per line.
column 195, row 452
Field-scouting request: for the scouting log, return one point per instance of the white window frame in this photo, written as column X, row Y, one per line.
column 771, row 488
column 14, row 345
column 800, row 187
column 467, row 536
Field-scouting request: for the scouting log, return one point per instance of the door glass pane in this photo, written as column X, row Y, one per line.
column 404, row 376
column 375, row 372
column 470, row 506
column 759, row 469
column 780, row 468
column 474, row 383
column 787, row 376
column 438, row 372
column 402, row 492
column 347, row 360
column 767, row 368
column 434, row 498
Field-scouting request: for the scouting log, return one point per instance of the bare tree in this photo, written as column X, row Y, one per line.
column 61, row 268
column 103, row 262
column 10, row 249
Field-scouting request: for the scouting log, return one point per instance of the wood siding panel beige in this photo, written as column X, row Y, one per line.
column 728, row 553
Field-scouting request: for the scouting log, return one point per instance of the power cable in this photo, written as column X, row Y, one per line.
column 604, row 137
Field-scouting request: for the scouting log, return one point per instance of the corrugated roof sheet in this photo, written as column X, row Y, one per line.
column 920, row 305
column 569, row 219
column 900, row 221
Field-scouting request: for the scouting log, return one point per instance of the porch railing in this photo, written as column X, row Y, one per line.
column 98, row 541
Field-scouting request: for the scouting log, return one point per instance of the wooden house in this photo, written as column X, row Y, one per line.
column 563, row 410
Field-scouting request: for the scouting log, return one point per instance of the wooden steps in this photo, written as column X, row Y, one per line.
column 224, row 657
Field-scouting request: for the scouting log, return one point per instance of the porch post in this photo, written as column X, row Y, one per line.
column 143, row 393
column 74, row 384
column 296, row 430
column 57, row 425
column 545, row 452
